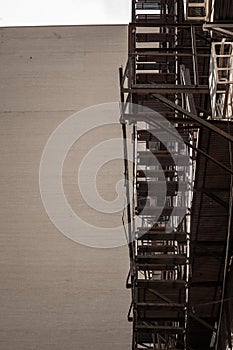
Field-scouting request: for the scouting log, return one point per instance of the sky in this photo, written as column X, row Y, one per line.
column 63, row 12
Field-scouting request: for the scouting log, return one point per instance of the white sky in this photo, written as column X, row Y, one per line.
column 63, row 12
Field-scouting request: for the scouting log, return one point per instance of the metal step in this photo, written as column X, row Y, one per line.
column 151, row 66
column 155, row 78
column 152, row 134
column 158, row 329
column 175, row 306
column 160, row 235
column 170, row 259
column 160, row 284
column 155, row 37
column 156, row 267
column 155, row 228
column 160, row 316
column 160, row 174
column 166, row 59
column 155, row 211
column 155, row 5
column 154, row 18
column 156, row 248
column 164, row 157
column 166, row 88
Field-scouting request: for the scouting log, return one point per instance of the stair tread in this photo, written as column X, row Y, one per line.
column 172, row 329
column 142, row 282
column 160, row 236
column 151, row 259
column 161, row 153
column 160, row 305
column 159, row 230
column 156, row 248
column 162, row 211
column 154, row 37
column 156, row 267
column 156, row 173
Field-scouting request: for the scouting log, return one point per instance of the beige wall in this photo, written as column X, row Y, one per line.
column 55, row 294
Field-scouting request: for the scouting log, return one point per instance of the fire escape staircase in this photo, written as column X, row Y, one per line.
column 179, row 242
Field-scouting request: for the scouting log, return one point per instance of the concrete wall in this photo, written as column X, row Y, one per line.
column 55, row 294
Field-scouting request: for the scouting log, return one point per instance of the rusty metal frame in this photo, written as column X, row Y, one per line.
column 194, row 87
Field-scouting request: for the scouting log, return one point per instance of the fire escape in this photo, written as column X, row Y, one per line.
column 177, row 98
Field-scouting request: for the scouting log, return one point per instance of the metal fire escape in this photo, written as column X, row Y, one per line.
column 177, row 98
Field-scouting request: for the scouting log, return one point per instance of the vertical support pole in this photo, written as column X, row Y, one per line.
column 131, row 54
column 133, row 11
column 194, row 53
column 126, row 166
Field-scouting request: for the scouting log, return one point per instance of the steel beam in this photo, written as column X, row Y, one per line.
column 146, row 89
column 194, row 117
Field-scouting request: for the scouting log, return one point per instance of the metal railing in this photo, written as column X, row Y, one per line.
column 197, row 10
column 221, row 80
